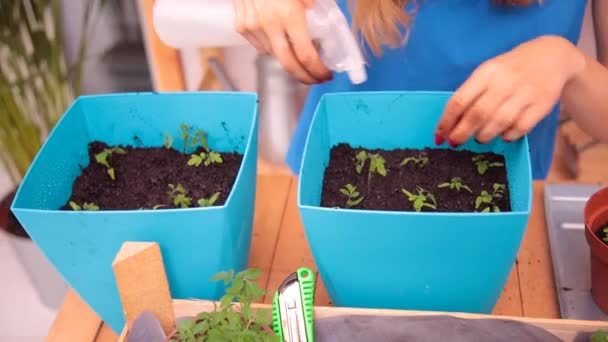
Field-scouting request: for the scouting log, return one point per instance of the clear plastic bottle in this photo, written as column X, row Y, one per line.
column 210, row 23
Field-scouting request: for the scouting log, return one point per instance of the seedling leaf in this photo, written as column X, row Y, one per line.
column 353, row 199
column 75, row 206
column 196, row 159
column 208, row 202
column 168, row 141
column 90, row 206
column 421, row 199
column 421, row 161
column 112, row 173
column 158, row 206
column 102, row 158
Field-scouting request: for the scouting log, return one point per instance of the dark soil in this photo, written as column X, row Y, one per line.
column 143, row 176
column 600, row 233
column 385, row 192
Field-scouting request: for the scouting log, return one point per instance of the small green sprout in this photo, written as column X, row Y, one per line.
column 191, row 140
column 421, row 160
column 105, row 157
column 86, row 206
column 353, row 195
column 376, row 165
column 205, row 158
column 158, row 206
column 483, row 164
column 421, row 199
column 455, row 184
column 208, row 202
column 599, row 336
column 605, row 234
column 168, row 141
column 489, row 199
column 179, row 195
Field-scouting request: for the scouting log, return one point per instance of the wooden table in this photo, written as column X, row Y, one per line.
column 279, row 247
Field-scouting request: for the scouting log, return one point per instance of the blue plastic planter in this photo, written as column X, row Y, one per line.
column 196, row 243
column 407, row 260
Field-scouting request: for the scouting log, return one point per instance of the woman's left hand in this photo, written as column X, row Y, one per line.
column 508, row 95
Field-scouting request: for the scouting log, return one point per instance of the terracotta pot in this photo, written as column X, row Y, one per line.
column 8, row 221
column 596, row 218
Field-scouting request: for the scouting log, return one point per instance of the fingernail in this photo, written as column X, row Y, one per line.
column 452, row 144
column 439, row 140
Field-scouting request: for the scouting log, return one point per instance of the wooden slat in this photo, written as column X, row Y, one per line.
column 292, row 251
column 76, row 321
column 106, row 334
column 539, row 298
column 509, row 303
column 321, row 295
column 270, row 202
column 164, row 61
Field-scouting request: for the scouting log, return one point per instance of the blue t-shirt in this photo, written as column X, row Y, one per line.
column 448, row 39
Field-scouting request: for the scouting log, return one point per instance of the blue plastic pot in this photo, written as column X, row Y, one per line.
column 196, row 243
column 407, row 260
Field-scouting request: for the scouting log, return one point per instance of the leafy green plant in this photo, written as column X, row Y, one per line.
column 37, row 84
column 600, row 336
column 86, row 206
column 179, row 195
column 208, row 202
column 205, row 158
column 105, row 157
column 487, row 199
column 353, row 196
column 483, row 164
column 421, row 160
column 421, row 199
column 455, row 184
column 232, row 321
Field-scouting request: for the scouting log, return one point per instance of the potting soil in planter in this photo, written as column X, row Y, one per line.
column 150, row 178
column 429, row 180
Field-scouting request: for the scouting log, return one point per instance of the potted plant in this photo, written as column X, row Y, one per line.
column 145, row 167
column 37, row 84
column 394, row 221
column 596, row 234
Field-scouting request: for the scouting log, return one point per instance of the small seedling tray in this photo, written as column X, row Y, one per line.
column 564, row 204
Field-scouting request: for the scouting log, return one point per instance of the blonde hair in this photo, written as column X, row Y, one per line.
column 380, row 22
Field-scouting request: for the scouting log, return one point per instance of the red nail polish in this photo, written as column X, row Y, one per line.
column 439, row 140
column 452, row 144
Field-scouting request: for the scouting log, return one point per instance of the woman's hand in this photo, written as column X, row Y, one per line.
column 279, row 27
column 508, row 95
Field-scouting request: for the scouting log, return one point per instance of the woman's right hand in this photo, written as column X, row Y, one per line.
column 278, row 27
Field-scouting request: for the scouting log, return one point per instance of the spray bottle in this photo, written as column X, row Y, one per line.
column 210, row 23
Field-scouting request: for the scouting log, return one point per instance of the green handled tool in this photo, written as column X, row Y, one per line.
column 292, row 307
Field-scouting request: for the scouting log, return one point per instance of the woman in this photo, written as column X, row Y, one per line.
column 510, row 63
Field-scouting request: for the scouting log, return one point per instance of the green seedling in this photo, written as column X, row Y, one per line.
column 376, row 165
column 192, row 139
column 208, row 202
column 489, row 199
column 353, row 196
column 205, row 158
column 483, row 164
column 104, row 158
column 599, row 336
column 422, row 160
column 455, row 184
column 179, row 196
column 605, row 234
column 234, row 319
column 86, row 206
column 168, row 141
column 422, row 199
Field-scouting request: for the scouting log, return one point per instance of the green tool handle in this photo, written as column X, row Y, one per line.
column 306, row 281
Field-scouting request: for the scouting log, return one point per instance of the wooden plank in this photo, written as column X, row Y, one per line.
column 164, row 61
column 142, row 283
column 76, row 321
column 270, row 201
column 106, row 334
column 538, row 294
column 321, row 295
column 567, row 330
column 292, row 251
column 509, row 303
